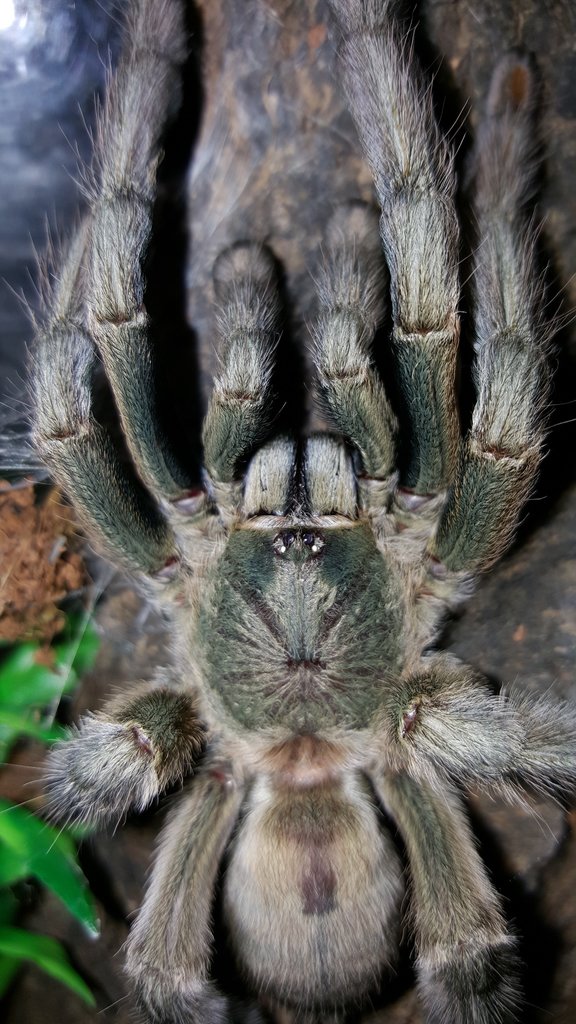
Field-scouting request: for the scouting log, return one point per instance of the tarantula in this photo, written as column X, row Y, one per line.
column 307, row 581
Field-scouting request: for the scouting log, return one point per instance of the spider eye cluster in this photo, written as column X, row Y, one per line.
column 300, row 540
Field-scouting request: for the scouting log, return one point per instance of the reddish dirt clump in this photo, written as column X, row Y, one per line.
column 40, row 561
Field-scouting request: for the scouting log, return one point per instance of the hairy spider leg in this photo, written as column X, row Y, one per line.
column 110, row 500
column 351, row 291
column 142, row 94
column 121, row 759
column 491, row 472
column 241, row 404
column 413, row 172
column 169, row 948
column 445, row 716
column 97, row 305
column 500, row 456
column 466, row 960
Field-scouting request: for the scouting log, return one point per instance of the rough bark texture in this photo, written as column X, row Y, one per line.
column 274, row 154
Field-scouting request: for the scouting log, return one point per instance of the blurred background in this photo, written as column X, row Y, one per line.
column 53, row 59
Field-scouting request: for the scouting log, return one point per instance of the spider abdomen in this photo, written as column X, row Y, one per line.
column 315, row 881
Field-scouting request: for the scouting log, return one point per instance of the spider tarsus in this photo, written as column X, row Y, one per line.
column 247, row 261
column 512, row 87
column 479, row 986
column 354, row 223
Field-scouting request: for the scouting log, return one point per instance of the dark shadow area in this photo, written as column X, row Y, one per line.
column 176, row 375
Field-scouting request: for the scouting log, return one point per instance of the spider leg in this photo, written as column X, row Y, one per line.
column 98, row 302
column 502, row 452
column 414, row 176
column 110, row 500
column 141, row 96
column 122, row 758
column 546, row 760
column 241, row 405
column 168, row 952
column 445, row 721
column 352, row 303
column 98, row 299
column 466, row 959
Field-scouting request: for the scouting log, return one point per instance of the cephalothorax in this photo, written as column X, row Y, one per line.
column 307, row 581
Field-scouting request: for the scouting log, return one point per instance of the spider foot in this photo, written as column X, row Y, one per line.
column 474, row 987
column 100, row 774
column 164, row 1000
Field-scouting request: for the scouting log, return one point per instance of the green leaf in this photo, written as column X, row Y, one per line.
column 49, row 855
column 46, row 953
column 23, row 682
column 9, row 906
column 12, row 868
column 8, row 967
column 13, row 724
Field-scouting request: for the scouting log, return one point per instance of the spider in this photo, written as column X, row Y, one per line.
column 307, row 580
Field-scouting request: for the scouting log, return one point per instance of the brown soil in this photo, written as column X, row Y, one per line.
column 40, row 561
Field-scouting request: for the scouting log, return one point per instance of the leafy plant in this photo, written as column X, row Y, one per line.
column 32, row 681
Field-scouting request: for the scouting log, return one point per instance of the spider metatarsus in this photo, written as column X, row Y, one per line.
column 307, row 582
